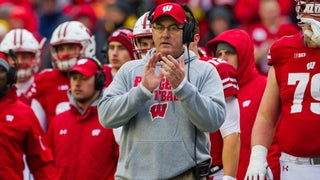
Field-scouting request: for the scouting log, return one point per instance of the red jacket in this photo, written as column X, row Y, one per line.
column 82, row 148
column 51, row 87
column 21, row 134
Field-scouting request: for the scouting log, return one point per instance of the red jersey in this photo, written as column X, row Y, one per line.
column 228, row 77
column 82, row 148
column 27, row 95
column 21, row 134
column 297, row 72
column 51, row 92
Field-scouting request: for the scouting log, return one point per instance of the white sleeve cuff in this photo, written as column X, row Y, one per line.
column 228, row 178
column 145, row 90
column 180, row 85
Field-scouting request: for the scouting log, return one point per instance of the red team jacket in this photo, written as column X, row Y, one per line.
column 20, row 133
column 82, row 148
column 51, row 90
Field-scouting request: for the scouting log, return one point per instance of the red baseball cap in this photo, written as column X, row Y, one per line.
column 171, row 9
column 86, row 67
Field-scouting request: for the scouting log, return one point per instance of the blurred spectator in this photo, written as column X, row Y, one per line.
column 99, row 7
column 83, row 13
column 272, row 26
column 220, row 19
column 117, row 15
column 50, row 16
column 246, row 11
column 20, row 14
column 23, row 17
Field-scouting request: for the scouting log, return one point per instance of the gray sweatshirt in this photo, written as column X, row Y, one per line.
column 159, row 129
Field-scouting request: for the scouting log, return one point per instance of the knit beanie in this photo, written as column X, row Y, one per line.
column 124, row 37
column 225, row 46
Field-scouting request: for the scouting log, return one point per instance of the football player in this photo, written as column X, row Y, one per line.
column 291, row 102
column 142, row 36
column 70, row 41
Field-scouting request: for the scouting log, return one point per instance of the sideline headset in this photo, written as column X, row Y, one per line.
column 12, row 73
column 100, row 77
column 188, row 27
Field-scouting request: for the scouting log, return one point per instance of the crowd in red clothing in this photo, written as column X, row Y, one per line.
column 103, row 17
column 263, row 21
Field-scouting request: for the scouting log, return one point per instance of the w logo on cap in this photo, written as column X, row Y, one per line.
column 82, row 61
column 167, row 8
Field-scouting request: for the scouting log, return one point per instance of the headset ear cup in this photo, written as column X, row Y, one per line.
column 100, row 77
column 189, row 26
column 100, row 81
column 188, row 32
column 12, row 76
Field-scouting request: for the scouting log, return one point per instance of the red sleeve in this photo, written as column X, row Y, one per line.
column 228, row 76
column 39, row 155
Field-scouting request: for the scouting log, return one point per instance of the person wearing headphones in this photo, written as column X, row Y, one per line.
column 165, row 104
column 81, row 147
column 20, row 132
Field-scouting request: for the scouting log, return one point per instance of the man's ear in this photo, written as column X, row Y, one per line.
column 196, row 38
